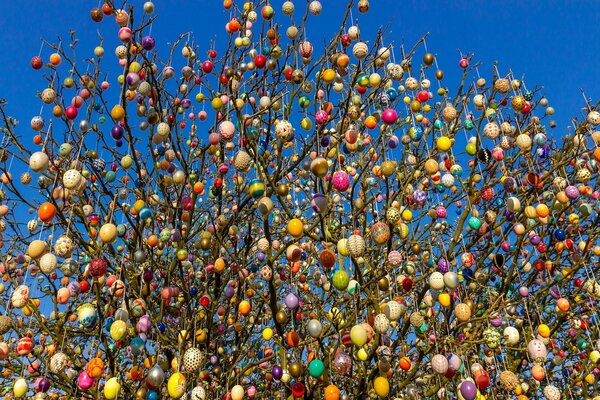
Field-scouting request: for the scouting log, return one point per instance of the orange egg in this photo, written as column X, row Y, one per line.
column 371, row 122
column 219, row 265
column 55, row 59
column 244, row 307
column 405, row 363
column 332, row 393
column 292, row 339
column 563, row 304
column 46, row 212
column 538, row 372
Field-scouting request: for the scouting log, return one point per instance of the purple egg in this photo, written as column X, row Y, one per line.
column 148, row 275
column 291, row 301
column 229, row 291
column 535, row 239
column 148, row 42
column 496, row 322
column 443, row 264
column 572, row 192
column 277, row 372
column 41, row 385
column 116, row 132
column 468, row 390
column 393, row 142
column 524, row 291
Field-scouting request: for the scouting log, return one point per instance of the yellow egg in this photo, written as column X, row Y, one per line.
column 267, row 333
column 295, row 227
column 20, row 388
column 117, row 112
column 112, row 388
column 544, row 330
column 381, row 386
column 444, row 299
column 443, row 143
column 176, row 385
column 362, row 354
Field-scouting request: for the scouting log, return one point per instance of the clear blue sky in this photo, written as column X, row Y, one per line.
column 553, row 43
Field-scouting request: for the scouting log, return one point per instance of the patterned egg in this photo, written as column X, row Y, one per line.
column 58, row 362
column 411, row 83
column 439, row 363
column 396, row 72
column 394, row 258
column 288, row 8
column 537, row 350
column 449, row 113
column 381, row 323
column 380, row 233
column 5, row 324
column 163, row 129
column 509, row 380
column 436, row 281
column 32, row 225
column 393, row 310
column 193, row 359
column 491, row 130
column 20, row 296
column 63, row 246
column 551, row 392
column 306, row 49
column 360, row 50
column 24, row 346
column 462, row 311
column 98, row 267
column 242, row 161
column 226, row 130
column 199, row 393
column 356, row 246
column 502, row 85
column 341, row 181
column 72, row 179
column 393, row 215
column 266, row 272
column 284, row 130
column 87, row 315
column 69, row 267
column 48, row 263
column 315, row 7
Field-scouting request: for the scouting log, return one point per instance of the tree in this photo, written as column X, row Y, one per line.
column 265, row 222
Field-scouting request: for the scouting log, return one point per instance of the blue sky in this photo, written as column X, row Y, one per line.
column 551, row 43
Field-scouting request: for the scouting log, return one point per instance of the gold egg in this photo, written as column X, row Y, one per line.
column 283, row 189
column 296, row 369
column 384, row 284
column 428, row 59
column 319, row 167
column 439, row 74
column 281, row 317
column 205, row 244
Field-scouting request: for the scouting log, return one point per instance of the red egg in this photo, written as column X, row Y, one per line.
column 71, row 112
column 260, row 61
column 37, row 63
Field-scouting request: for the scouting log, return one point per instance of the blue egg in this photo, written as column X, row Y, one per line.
column 137, row 346
column 110, row 176
column 161, row 327
column 194, row 291
column 145, row 213
column 392, row 93
column 152, row 395
column 559, row 234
